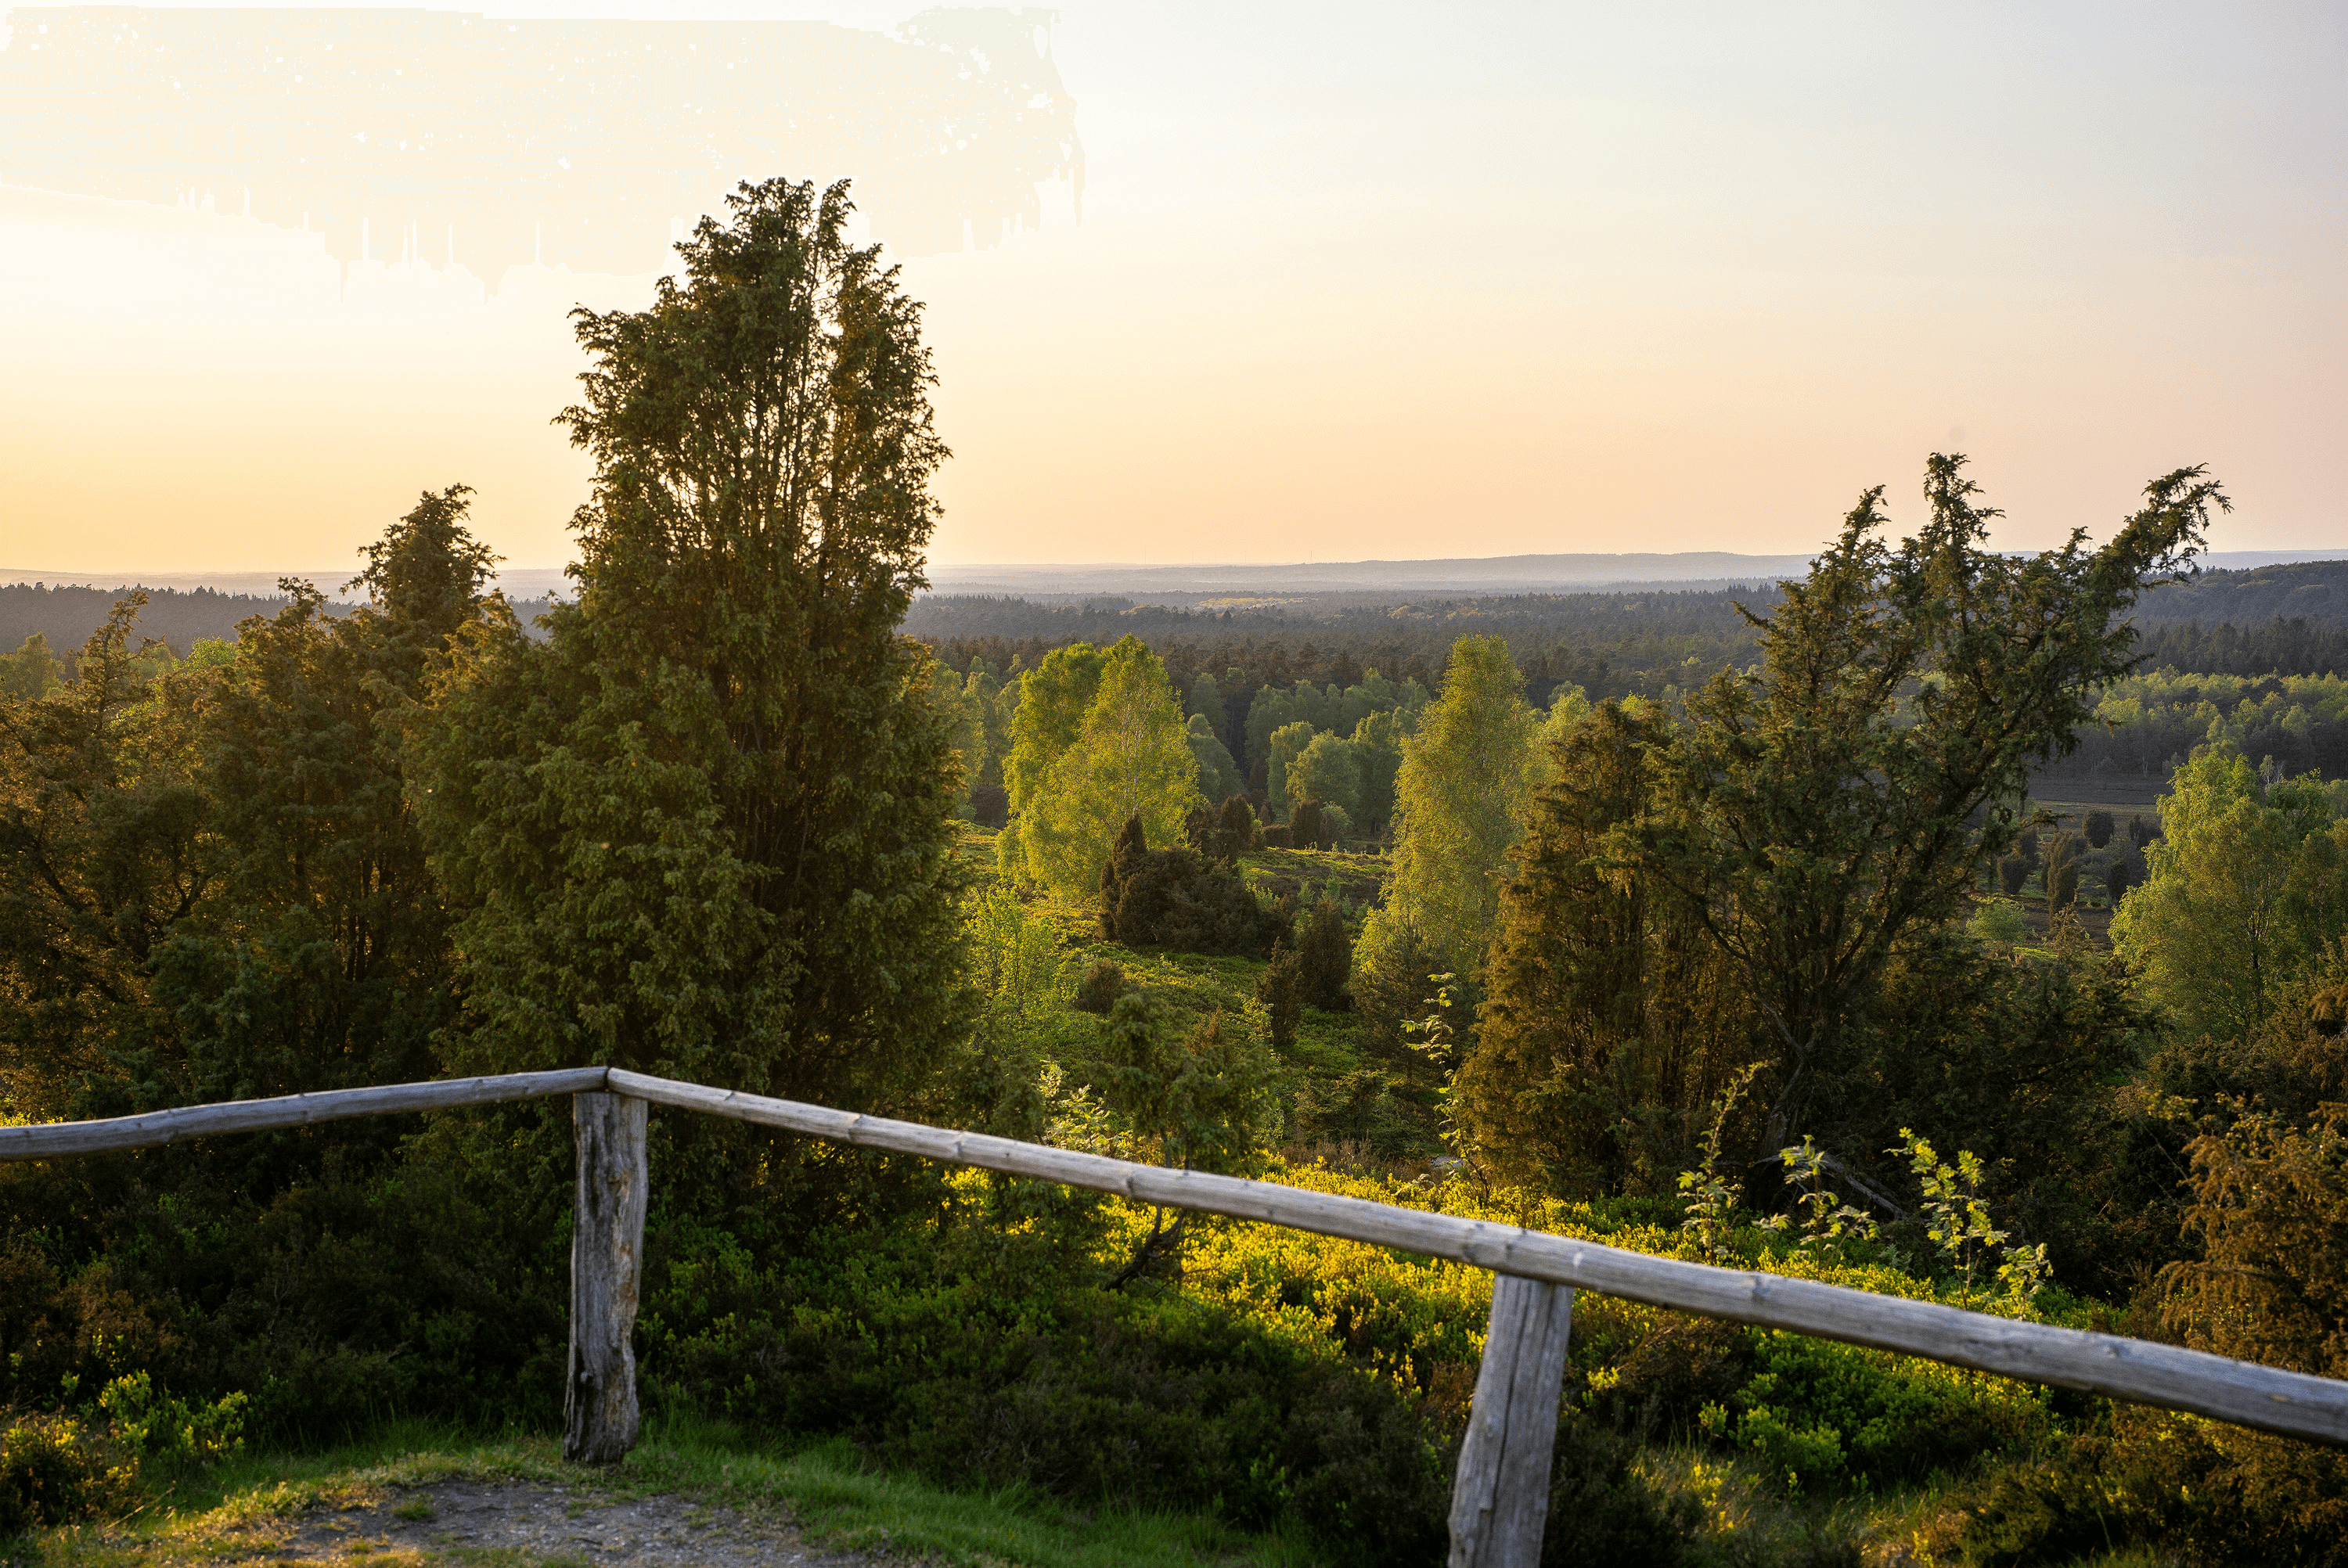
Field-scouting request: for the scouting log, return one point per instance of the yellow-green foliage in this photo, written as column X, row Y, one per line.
column 55, row 1468
column 1816, row 1412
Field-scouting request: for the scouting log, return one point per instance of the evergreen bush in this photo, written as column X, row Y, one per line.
column 1235, row 832
column 1280, row 989
column 1101, row 985
column 1179, row 898
column 1325, row 958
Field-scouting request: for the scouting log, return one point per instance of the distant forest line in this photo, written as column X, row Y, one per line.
column 2273, row 641
column 65, row 616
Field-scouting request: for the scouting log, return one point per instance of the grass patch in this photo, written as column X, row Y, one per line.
column 842, row 1502
column 246, row 1508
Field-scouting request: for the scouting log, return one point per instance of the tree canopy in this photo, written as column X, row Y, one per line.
column 1126, row 754
column 703, row 829
column 1848, row 792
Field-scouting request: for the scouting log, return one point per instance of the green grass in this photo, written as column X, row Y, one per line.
column 837, row 1500
column 844, row 1503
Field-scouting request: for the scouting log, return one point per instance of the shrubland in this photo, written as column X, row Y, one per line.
column 1717, row 972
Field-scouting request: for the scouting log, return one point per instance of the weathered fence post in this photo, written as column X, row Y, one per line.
column 1499, row 1500
column 599, row 1398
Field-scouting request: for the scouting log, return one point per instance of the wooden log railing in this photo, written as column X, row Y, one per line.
column 1501, row 1492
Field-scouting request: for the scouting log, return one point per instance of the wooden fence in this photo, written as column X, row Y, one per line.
column 1500, row 1496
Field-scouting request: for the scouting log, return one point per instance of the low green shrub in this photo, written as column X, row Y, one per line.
column 2192, row 1490
column 1834, row 1415
column 979, row 1369
column 60, row 1469
column 1603, row 1512
column 169, row 1433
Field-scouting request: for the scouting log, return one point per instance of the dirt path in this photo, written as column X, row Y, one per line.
column 519, row 1524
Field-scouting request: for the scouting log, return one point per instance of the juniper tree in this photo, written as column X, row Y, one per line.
column 1236, row 830
column 1610, row 1017
column 702, row 829
column 103, row 856
column 326, row 960
column 1324, row 958
column 1848, row 792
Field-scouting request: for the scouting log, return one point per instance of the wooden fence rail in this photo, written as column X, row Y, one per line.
column 1496, row 1518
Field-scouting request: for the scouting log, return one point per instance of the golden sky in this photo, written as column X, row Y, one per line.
column 1205, row 282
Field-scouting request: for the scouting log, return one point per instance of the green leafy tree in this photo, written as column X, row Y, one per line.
column 1329, row 771
column 31, row 672
column 963, row 709
column 1205, row 701
column 1021, row 975
column 2247, row 891
column 1465, row 778
column 702, row 829
column 1219, row 775
column 1131, row 757
column 1054, row 699
column 1378, row 753
column 1285, row 746
column 1850, row 790
column 1191, row 1102
column 2098, row 829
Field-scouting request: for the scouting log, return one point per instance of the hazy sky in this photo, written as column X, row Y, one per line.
column 1343, row 281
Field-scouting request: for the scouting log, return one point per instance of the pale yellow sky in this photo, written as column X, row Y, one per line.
column 1341, row 282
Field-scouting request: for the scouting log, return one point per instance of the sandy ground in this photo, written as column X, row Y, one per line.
column 520, row 1523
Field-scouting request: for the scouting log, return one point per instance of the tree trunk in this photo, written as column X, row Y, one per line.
column 598, row 1401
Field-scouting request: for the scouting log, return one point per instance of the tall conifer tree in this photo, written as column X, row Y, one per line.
column 703, row 829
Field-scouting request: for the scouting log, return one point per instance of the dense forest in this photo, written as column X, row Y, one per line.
column 1736, row 942
column 57, row 620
